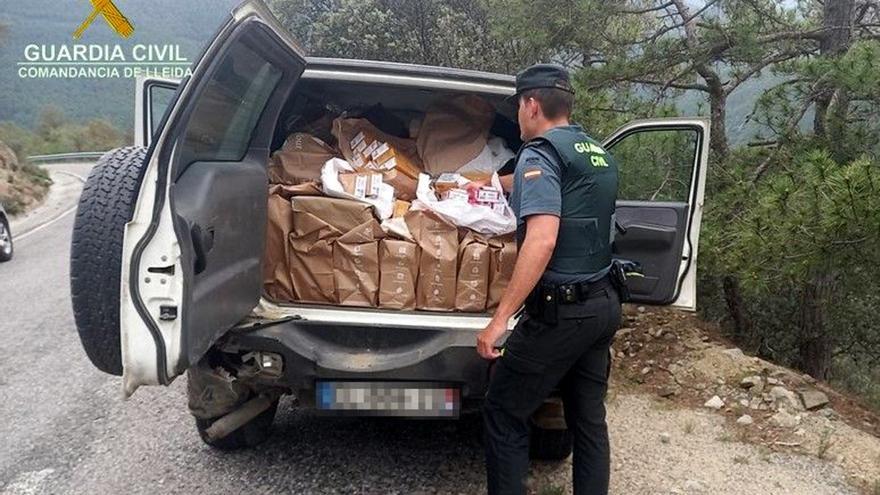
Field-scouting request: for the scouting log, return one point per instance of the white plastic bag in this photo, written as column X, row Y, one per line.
column 494, row 155
column 383, row 203
column 482, row 219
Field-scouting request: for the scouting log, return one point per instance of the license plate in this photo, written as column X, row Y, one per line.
column 388, row 399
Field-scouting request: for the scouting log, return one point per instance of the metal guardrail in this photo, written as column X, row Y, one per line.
column 59, row 157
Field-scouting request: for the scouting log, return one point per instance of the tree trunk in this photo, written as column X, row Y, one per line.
column 718, row 111
column 816, row 344
column 736, row 309
column 837, row 21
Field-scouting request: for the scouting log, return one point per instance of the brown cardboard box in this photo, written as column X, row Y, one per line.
column 276, row 274
column 361, row 142
column 454, row 132
column 311, row 258
column 502, row 261
column 404, row 186
column 356, row 265
column 300, row 158
column 342, row 214
column 361, row 185
column 317, row 223
column 438, row 241
column 277, row 284
column 399, row 262
column 472, row 288
column 400, row 208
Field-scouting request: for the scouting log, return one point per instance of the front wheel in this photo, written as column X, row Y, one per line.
column 6, row 247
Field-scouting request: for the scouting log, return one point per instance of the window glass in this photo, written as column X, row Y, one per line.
column 160, row 99
column 656, row 165
column 227, row 112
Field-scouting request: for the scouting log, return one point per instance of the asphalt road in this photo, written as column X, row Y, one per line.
column 67, row 429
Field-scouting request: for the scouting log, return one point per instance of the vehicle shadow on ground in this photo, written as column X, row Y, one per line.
column 371, row 455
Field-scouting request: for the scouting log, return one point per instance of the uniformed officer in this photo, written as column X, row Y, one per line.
column 563, row 193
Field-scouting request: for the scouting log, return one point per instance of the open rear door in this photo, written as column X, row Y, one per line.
column 660, row 204
column 192, row 252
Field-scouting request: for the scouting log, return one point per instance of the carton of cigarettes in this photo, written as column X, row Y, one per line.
column 488, row 194
column 455, row 194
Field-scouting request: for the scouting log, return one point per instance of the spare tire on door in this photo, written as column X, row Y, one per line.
column 106, row 205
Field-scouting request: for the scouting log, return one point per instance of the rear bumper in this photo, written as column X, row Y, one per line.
column 317, row 350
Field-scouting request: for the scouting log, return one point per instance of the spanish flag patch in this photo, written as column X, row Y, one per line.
column 532, row 173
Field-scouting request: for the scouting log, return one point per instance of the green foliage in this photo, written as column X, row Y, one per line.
column 54, row 133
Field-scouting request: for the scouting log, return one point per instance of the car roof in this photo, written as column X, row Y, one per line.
column 320, row 64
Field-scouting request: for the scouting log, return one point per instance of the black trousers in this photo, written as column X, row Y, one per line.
column 538, row 357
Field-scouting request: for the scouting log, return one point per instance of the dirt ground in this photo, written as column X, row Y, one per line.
column 667, row 366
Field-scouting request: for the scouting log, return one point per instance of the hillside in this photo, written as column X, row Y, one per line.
column 189, row 24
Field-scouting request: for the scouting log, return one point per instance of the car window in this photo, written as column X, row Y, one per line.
column 160, row 99
column 226, row 114
column 656, row 165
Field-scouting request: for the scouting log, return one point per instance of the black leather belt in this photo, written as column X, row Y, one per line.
column 577, row 292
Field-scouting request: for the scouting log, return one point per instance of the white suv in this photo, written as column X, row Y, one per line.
column 170, row 234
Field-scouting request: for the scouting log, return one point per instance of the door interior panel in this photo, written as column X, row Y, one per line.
column 654, row 234
column 222, row 206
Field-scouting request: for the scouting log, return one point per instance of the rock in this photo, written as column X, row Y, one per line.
column 640, row 309
column 734, row 353
column 714, row 403
column 623, row 333
column 646, row 370
column 744, row 402
column 829, row 413
column 665, row 437
column 785, row 398
column 666, row 392
column 785, row 420
column 773, row 381
column 754, row 383
column 813, row 399
column 745, row 419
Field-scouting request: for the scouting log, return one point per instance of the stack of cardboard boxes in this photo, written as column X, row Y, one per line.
column 334, row 251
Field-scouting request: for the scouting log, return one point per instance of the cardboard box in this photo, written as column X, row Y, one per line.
column 404, row 186
column 400, row 208
column 502, row 262
column 317, row 223
column 342, row 214
column 353, row 133
column 472, row 288
column 438, row 261
column 277, row 284
column 311, row 258
column 300, row 158
column 361, row 185
column 356, row 265
column 399, row 263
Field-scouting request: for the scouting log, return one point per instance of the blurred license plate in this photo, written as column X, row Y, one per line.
column 388, row 398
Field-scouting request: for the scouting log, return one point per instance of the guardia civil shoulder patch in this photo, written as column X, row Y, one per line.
column 532, row 173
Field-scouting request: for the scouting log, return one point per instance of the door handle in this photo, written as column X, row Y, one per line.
column 203, row 243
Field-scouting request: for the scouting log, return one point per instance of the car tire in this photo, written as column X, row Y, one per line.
column 6, row 245
column 105, row 206
column 248, row 435
column 550, row 445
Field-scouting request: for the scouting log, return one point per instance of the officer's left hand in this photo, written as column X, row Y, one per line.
column 488, row 337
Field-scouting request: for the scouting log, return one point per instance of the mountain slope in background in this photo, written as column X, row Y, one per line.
column 188, row 23
column 191, row 24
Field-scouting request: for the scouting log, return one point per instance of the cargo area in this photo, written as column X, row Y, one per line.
column 369, row 211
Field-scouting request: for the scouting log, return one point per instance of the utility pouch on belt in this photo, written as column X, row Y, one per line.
column 542, row 304
column 618, row 274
